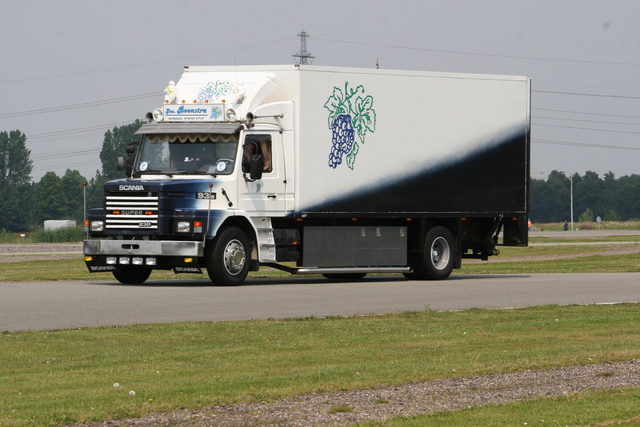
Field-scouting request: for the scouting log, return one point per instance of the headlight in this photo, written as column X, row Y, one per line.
column 157, row 115
column 97, row 226
column 183, row 227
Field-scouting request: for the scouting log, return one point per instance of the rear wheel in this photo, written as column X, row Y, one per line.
column 228, row 259
column 132, row 275
column 438, row 258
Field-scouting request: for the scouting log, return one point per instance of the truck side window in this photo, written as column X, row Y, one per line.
column 257, row 144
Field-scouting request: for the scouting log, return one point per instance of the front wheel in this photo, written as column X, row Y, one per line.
column 228, row 259
column 132, row 275
column 438, row 259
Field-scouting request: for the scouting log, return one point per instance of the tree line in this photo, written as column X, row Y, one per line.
column 609, row 198
column 25, row 205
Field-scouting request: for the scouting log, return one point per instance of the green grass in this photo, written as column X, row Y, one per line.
column 603, row 408
column 604, row 225
column 586, row 239
column 510, row 252
column 627, row 263
column 60, row 377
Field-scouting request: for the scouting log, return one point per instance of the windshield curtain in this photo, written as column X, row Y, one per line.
column 190, row 153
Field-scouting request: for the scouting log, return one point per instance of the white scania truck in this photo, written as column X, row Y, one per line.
column 319, row 170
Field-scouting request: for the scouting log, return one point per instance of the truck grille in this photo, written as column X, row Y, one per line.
column 132, row 212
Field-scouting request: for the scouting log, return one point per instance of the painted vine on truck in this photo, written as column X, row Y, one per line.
column 347, row 117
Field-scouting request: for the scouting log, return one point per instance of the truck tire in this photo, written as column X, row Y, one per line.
column 438, row 259
column 132, row 275
column 228, row 259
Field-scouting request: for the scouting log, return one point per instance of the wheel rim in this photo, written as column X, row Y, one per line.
column 234, row 257
column 440, row 253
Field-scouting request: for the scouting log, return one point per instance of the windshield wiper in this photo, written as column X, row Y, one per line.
column 153, row 171
column 189, row 172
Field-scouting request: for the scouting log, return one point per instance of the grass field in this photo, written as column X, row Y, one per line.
column 58, row 377
column 61, row 377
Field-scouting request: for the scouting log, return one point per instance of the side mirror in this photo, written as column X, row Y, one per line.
column 256, row 165
column 125, row 164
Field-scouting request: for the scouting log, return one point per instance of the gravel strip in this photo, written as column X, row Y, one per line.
column 40, row 248
column 406, row 400
column 20, row 252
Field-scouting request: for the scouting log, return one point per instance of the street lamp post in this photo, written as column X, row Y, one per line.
column 571, row 186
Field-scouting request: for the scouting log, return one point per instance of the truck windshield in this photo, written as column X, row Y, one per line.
column 173, row 154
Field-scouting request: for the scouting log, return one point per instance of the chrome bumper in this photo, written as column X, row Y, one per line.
column 143, row 247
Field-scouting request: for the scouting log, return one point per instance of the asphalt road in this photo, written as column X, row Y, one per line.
column 75, row 304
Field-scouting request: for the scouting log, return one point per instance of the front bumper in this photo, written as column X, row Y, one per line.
column 144, row 248
column 113, row 255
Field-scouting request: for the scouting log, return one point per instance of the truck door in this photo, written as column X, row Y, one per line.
column 264, row 196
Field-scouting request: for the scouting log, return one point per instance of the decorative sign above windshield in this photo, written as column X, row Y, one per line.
column 191, row 113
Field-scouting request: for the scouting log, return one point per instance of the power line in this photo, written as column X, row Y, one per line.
column 589, row 129
column 586, row 94
column 91, row 130
column 491, row 55
column 584, row 144
column 585, row 121
column 585, row 113
column 63, row 167
column 64, row 154
column 147, row 63
column 81, row 105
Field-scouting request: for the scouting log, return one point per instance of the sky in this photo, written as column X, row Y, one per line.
column 72, row 69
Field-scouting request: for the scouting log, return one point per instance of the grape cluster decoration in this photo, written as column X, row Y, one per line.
column 213, row 91
column 350, row 113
